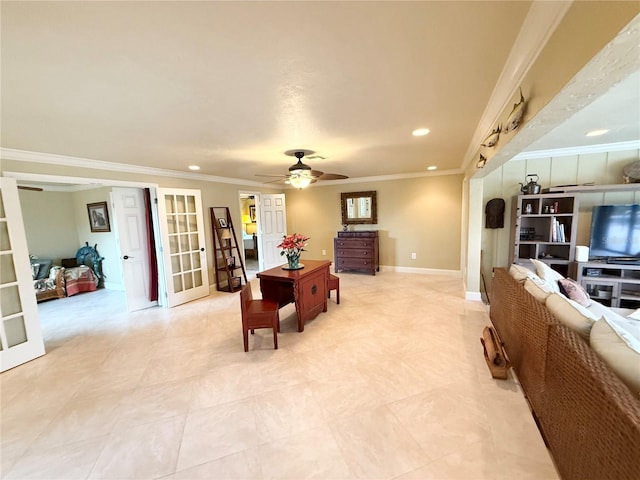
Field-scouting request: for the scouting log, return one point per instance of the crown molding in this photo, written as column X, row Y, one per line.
column 585, row 150
column 53, row 159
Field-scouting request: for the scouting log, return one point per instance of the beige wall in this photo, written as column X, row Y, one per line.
column 600, row 168
column 420, row 215
column 49, row 224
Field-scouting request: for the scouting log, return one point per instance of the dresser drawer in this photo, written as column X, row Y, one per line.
column 353, row 243
column 364, row 233
column 354, row 263
column 354, row 253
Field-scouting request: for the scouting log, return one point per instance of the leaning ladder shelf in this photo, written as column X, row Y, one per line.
column 227, row 255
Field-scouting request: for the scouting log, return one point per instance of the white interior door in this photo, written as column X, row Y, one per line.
column 20, row 333
column 132, row 234
column 183, row 242
column 273, row 224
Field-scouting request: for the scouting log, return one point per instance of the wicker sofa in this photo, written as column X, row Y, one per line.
column 588, row 417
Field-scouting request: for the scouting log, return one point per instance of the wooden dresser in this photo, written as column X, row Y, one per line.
column 357, row 251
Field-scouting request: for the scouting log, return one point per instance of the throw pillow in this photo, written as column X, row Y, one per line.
column 574, row 291
column 571, row 314
column 45, row 266
column 548, row 274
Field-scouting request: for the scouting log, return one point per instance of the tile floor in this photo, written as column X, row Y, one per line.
column 390, row 384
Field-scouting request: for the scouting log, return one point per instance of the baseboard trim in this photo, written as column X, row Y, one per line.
column 473, row 296
column 420, row 271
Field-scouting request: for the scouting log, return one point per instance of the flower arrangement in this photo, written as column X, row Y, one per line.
column 292, row 246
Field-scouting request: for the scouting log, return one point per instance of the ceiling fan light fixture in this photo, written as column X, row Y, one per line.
column 300, row 179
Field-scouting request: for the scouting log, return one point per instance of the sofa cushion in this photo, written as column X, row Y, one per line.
column 538, row 289
column 571, row 314
column 548, row 274
column 616, row 353
column 574, row 291
column 520, row 273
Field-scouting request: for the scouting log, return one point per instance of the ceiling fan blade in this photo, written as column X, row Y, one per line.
column 332, row 176
column 316, row 173
column 34, row 189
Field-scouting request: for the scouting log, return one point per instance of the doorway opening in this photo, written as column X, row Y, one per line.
column 69, row 198
column 249, row 211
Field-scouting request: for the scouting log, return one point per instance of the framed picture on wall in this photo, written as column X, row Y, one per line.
column 98, row 217
column 252, row 212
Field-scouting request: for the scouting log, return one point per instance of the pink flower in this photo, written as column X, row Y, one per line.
column 293, row 244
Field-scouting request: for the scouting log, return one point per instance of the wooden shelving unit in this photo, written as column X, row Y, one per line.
column 227, row 254
column 544, row 227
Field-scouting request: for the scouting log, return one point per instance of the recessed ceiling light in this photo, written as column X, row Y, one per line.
column 432, row 167
column 596, row 133
column 194, row 167
column 420, row 132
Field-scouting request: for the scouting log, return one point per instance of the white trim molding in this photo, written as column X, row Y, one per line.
column 53, row 159
column 584, row 150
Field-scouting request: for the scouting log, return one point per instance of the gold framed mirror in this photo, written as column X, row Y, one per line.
column 359, row 208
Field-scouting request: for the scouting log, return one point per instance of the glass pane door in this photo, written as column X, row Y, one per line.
column 20, row 333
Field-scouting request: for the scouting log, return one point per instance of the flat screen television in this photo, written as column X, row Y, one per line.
column 615, row 233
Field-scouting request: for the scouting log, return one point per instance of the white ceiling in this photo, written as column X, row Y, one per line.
column 230, row 86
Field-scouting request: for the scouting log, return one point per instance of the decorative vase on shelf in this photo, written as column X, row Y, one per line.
column 293, row 261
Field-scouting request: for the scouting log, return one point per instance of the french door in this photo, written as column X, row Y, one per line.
column 20, row 333
column 183, row 245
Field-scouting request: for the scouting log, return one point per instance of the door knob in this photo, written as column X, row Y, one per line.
column 127, row 257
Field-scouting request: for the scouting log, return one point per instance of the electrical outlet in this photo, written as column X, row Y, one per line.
column 413, row 256
column 324, row 252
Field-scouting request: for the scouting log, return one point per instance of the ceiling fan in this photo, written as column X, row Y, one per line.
column 301, row 175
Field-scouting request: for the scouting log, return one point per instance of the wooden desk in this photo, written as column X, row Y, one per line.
column 306, row 287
